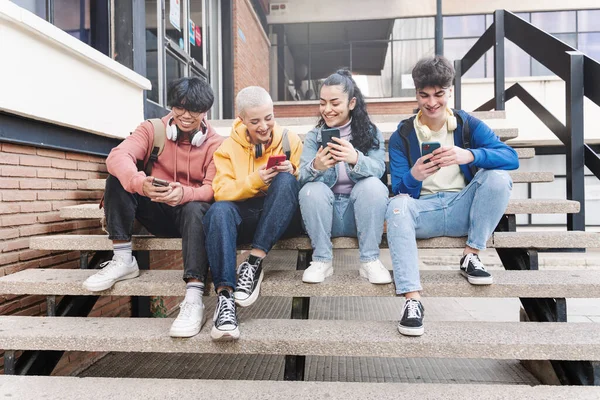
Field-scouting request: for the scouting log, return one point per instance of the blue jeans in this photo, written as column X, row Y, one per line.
column 261, row 221
column 474, row 211
column 360, row 214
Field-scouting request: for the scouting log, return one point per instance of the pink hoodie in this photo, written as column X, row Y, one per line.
column 181, row 162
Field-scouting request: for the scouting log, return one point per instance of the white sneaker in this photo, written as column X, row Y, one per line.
column 375, row 272
column 189, row 321
column 317, row 272
column 112, row 271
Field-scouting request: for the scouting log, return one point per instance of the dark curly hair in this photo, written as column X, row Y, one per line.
column 364, row 132
column 433, row 71
column 191, row 93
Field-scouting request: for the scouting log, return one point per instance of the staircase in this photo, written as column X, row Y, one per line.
column 570, row 347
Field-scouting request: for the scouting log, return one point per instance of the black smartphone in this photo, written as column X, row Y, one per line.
column 159, row 182
column 327, row 134
column 428, row 148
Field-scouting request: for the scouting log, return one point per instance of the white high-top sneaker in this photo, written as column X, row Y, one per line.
column 189, row 321
column 112, row 271
column 375, row 272
column 317, row 272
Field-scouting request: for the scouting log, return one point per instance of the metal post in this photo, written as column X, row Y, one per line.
column 140, row 305
column 9, row 362
column 457, row 84
column 83, row 260
column 499, row 59
column 51, row 306
column 439, row 29
column 575, row 146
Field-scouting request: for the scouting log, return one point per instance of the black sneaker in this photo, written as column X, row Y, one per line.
column 473, row 269
column 411, row 323
column 250, row 275
column 225, row 321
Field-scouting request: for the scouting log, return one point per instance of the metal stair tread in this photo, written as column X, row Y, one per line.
column 73, row 388
column 490, row 340
column 286, row 283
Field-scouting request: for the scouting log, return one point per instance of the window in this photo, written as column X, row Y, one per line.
column 38, row 7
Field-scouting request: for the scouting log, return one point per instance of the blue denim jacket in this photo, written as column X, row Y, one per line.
column 370, row 164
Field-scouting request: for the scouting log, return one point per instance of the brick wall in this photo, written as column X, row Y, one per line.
column 34, row 184
column 251, row 48
column 311, row 108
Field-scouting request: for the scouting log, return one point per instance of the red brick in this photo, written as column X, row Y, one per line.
column 18, row 195
column 37, row 206
column 52, row 195
column 33, row 230
column 49, row 217
column 9, row 258
column 87, row 166
column 97, row 175
column 64, row 164
column 7, row 308
column 18, row 219
column 11, row 269
column 17, row 148
column 9, row 183
column 69, row 185
column 28, row 172
column 9, row 233
column 65, row 226
column 35, row 184
column 97, row 159
column 78, row 156
column 15, row 244
column 51, row 153
column 57, row 205
column 76, row 175
column 9, row 208
column 29, row 312
column 27, row 301
column 35, row 161
column 10, row 159
column 88, row 224
column 31, row 254
column 53, row 261
column 50, row 173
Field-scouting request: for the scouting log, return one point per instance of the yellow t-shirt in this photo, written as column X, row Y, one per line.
column 447, row 179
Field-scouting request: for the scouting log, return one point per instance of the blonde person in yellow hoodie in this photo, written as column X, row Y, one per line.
column 254, row 204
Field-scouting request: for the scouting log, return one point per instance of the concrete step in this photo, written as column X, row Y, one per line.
column 515, row 206
column 491, row 340
column 532, row 240
column 73, row 388
column 542, row 284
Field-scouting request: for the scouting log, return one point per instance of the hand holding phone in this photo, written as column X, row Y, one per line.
column 328, row 134
column 428, row 148
column 275, row 160
column 159, row 182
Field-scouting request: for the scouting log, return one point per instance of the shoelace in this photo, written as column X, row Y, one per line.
column 319, row 265
column 476, row 262
column 226, row 314
column 186, row 310
column 414, row 311
column 109, row 266
column 246, row 273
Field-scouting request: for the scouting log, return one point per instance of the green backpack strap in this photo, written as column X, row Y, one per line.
column 160, row 134
column 286, row 144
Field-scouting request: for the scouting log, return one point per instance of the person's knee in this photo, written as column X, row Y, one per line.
column 285, row 180
column 194, row 210
column 399, row 212
column 496, row 180
column 220, row 213
column 315, row 192
column 371, row 189
column 112, row 184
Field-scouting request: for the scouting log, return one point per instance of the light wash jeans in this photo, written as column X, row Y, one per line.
column 360, row 214
column 473, row 212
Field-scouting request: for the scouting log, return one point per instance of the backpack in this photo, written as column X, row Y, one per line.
column 285, row 144
column 158, row 145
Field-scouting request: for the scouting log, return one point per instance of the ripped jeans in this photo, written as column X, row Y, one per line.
column 473, row 212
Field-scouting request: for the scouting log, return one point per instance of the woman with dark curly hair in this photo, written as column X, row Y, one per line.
column 342, row 193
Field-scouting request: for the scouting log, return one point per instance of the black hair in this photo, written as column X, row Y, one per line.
column 433, row 71
column 364, row 132
column 191, row 93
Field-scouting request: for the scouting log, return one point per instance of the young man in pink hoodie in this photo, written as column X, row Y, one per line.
column 171, row 202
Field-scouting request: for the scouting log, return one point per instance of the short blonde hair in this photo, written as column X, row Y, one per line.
column 251, row 96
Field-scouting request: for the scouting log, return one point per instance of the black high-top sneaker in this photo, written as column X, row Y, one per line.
column 250, row 275
column 225, row 320
column 473, row 269
column 411, row 323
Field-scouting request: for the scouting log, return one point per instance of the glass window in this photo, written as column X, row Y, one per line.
column 517, row 63
column 414, row 28
column 174, row 24
column 588, row 20
column 455, row 49
column 73, row 17
column 38, row 7
column 555, row 22
column 589, row 43
column 464, row 26
column 175, row 68
column 374, row 80
column 538, row 69
column 406, row 55
column 195, row 27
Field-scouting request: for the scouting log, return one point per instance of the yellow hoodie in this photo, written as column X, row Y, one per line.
column 237, row 175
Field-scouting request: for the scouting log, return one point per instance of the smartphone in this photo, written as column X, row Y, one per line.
column 428, row 148
column 275, row 160
column 327, row 134
column 159, row 182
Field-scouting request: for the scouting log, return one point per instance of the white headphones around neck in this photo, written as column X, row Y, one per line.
column 196, row 139
column 451, row 125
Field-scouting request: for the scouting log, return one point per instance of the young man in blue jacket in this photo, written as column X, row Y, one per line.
column 460, row 189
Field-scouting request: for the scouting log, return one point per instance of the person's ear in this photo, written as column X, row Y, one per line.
column 352, row 103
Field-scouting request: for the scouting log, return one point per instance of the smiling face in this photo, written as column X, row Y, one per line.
column 187, row 121
column 260, row 122
column 334, row 106
column 432, row 101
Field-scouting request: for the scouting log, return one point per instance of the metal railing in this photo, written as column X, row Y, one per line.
column 582, row 78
